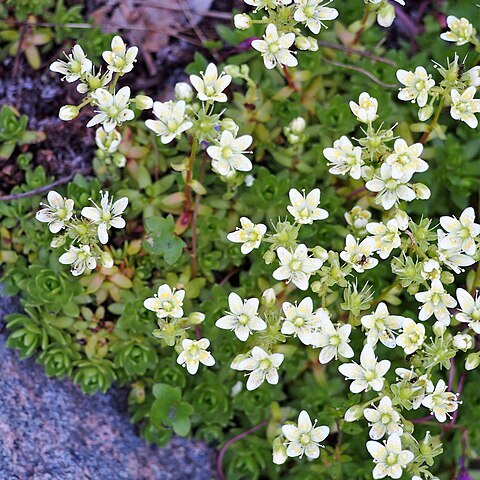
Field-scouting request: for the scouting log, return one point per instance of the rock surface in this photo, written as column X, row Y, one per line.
column 49, row 430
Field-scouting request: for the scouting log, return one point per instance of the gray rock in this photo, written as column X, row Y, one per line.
column 49, row 430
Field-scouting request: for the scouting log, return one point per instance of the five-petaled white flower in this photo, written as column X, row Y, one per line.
column 57, row 212
column 412, row 336
column 358, row 255
column 344, row 158
column 301, row 321
column 275, row 48
column 107, row 141
column 384, row 419
column 405, row 160
column 166, row 303
column 210, row 86
column 436, row 301
column 469, row 309
column 313, row 12
column 107, row 215
column 243, row 317
column 366, row 109
column 113, row 109
column 332, row 340
column 369, row 374
column 229, row 154
column 80, row 258
column 453, row 258
column 461, row 31
column 296, row 267
column 77, row 64
column 440, row 402
column 304, row 438
column 172, row 121
column 381, row 326
column 250, row 235
column 120, row 59
column 417, row 86
column 195, row 352
column 461, row 232
column 263, row 366
column 385, row 237
column 305, row 208
column 389, row 458
column 390, row 190
column 465, row 106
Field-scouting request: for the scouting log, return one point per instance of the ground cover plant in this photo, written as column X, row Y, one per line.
column 281, row 258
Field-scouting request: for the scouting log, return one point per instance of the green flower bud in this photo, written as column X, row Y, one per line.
column 68, row 112
column 143, row 102
column 353, row 413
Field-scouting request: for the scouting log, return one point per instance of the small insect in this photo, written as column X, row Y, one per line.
column 363, row 260
column 461, row 71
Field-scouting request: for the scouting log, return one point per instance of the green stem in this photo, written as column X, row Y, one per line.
column 114, row 82
column 385, row 291
column 434, row 123
column 188, row 180
column 475, row 280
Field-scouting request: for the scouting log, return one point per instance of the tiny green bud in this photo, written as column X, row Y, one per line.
column 269, row 257
column 353, row 413
column 143, row 102
column 473, row 361
column 68, row 112
column 439, row 329
column 268, row 298
column 196, row 318
column 425, row 113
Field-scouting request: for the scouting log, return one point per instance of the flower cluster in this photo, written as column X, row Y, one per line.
column 83, row 234
column 287, row 21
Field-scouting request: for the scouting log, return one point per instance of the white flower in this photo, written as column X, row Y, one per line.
column 390, row 190
column 344, row 158
column 229, row 154
column 242, row 21
column 386, row 13
column 305, row 208
column 77, row 64
column 57, row 212
column 412, row 336
column 301, row 321
column 461, row 31
column 210, row 86
column 452, row 257
column 120, row 59
column 172, row 121
column 381, row 326
column 107, row 215
column 469, row 309
column 369, row 374
column 358, row 255
column 430, row 270
column 440, row 402
column 405, row 161
column 113, row 109
column 305, row 438
column 313, row 12
column 366, row 109
column 243, row 317
column 385, row 237
column 384, row 420
column 417, row 85
column 463, row 341
column 465, row 106
column 461, row 232
column 91, row 81
column 275, row 48
column 262, row 367
column 472, row 77
column 357, row 217
column 436, row 301
column 333, row 340
column 80, row 259
column 107, row 141
column 195, row 352
column 250, row 235
column 390, row 459
column 296, row 267
column 166, row 303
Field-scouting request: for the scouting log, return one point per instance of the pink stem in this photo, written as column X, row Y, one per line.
column 233, row 440
column 423, row 419
column 455, row 413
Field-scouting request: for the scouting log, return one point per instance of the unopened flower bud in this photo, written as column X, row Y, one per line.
column 402, row 219
column 320, row 252
column 230, row 125
column 297, row 125
column 462, row 341
column 439, row 329
column 279, row 451
column 353, row 413
column 68, row 112
column 143, row 102
column 58, row 241
column 106, row 260
column 196, row 318
column 302, row 43
column 232, row 70
column 422, row 192
column 425, row 113
column 242, row 21
column 269, row 257
column 268, row 298
column 473, row 361
column 183, row 91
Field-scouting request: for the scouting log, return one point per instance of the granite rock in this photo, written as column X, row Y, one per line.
column 49, row 430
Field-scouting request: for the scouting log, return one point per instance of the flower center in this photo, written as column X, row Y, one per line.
column 370, row 375
column 295, row 265
column 305, row 439
column 391, row 459
column 243, row 319
column 299, row 321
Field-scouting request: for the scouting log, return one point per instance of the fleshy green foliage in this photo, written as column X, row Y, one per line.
column 96, row 330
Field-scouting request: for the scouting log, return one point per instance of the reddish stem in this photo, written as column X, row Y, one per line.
column 289, row 79
column 238, row 437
